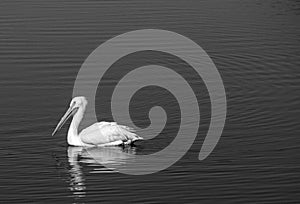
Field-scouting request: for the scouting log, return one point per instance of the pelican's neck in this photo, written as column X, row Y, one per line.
column 73, row 136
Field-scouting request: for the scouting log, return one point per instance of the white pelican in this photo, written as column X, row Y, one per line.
column 98, row 134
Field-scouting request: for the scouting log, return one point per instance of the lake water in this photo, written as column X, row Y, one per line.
column 255, row 46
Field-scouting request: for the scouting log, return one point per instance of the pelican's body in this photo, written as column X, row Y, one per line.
column 98, row 134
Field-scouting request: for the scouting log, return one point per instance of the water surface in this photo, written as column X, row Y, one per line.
column 255, row 46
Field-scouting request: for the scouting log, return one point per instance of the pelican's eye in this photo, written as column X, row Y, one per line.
column 73, row 103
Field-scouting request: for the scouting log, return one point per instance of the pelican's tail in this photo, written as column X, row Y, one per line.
column 130, row 134
column 137, row 138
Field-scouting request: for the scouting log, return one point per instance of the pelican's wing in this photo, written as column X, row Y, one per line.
column 106, row 132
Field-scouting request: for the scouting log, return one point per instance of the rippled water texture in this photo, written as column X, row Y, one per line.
column 255, row 46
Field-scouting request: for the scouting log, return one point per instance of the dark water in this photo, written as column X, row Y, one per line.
column 255, row 46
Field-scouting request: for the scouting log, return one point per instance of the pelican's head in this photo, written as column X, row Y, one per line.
column 76, row 103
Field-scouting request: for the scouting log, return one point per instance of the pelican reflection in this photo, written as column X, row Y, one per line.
column 95, row 157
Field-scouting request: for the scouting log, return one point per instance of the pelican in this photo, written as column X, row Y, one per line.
column 98, row 134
